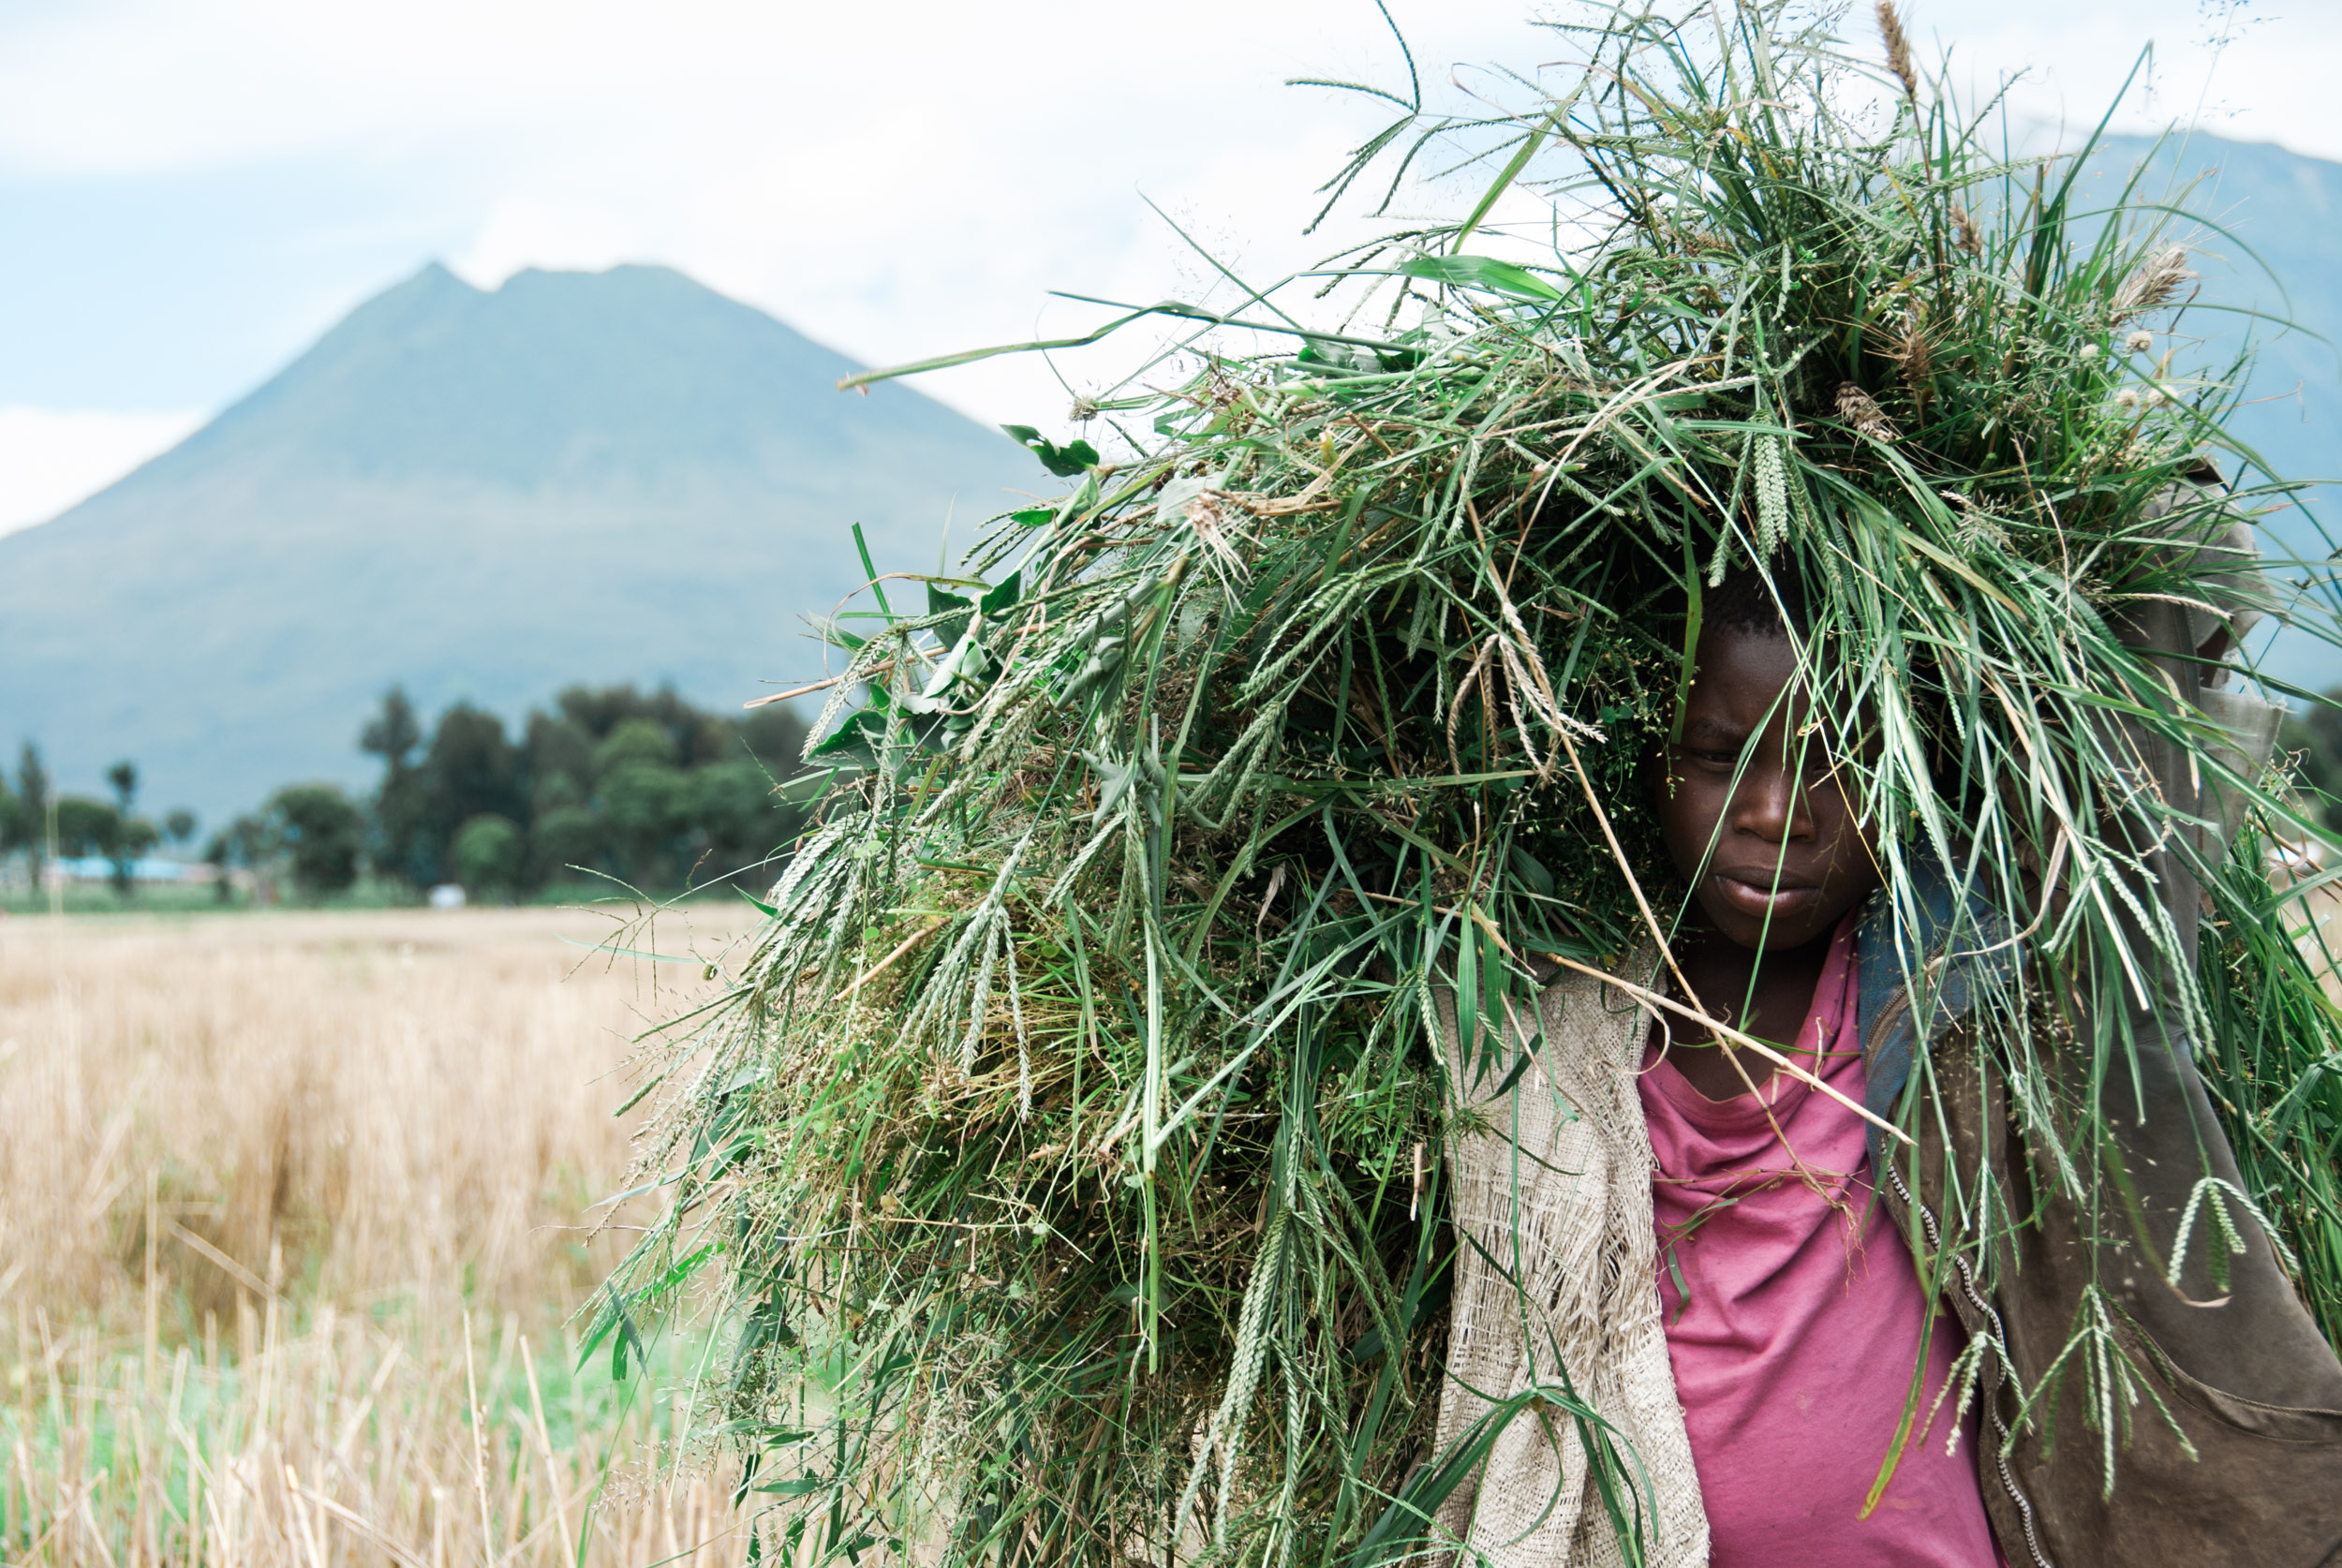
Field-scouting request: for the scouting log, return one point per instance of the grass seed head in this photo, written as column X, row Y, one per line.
column 1964, row 232
column 2155, row 282
column 1898, row 49
column 1861, row 410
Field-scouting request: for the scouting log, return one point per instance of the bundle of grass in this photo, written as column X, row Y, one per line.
column 1073, row 1140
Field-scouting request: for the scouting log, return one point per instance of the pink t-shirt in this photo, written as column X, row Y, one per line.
column 1793, row 1320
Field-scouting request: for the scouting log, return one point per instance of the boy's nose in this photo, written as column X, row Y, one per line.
column 1771, row 806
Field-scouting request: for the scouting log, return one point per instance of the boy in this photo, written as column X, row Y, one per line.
column 1717, row 1259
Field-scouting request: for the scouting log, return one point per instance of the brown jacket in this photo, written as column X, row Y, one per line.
column 2213, row 1415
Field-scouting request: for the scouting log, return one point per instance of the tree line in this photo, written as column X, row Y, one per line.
column 643, row 788
column 85, row 825
column 604, row 783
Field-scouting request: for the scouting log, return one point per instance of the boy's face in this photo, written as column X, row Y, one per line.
column 1765, row 832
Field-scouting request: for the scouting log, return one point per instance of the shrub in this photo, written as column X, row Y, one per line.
column 634, row 741
column 487, row 853
column 322, row 832
column 565, row 837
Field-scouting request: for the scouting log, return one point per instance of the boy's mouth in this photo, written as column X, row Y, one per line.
column 1759, row 899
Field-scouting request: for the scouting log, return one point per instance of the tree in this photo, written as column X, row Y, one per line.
column 605, row 778
column 86, row 827
column 487, row 852
column 253, row 844
column 323, row 834
column 735, row 815
column 698, row 737
column 635, row 740
column 2315, row 738
column 775, row 736
column 134, row 835
column 179, row 827
column 563, row 837
column 470, row 770
column 559, row 753
column 393, row 733
column 648, row 805
column 135, row 838
column 32, row 794
column 401, row 835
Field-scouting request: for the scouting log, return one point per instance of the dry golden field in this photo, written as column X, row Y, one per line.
column 293, row 1221
column 294, row 1226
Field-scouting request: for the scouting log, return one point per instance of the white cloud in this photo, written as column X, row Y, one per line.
column 52, row 458
column 896, row 182
column 2266, row 82
column 908, row 180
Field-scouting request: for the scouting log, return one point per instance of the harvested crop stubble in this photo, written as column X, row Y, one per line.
column 1077, row 1124
column 399, row 1102
column 292, row 1210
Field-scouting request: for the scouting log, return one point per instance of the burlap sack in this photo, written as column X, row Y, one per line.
column 1555, row 1291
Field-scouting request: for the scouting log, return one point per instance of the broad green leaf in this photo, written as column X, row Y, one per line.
column 1073, row 458
column 952, row 630
column 856, row 740
column 796, row 1487
column 1484, row 272
column 996, row 600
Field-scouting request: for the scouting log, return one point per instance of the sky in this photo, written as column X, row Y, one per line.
column 195, row 189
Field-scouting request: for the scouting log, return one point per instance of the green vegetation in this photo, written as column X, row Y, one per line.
column 2314, row 737
column 607, row 785
column 648, row 789
column 1077, row 1115
column 32, row 822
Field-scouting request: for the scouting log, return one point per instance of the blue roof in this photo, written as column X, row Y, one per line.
column 151, row 869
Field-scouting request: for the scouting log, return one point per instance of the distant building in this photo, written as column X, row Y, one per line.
column 98, row 868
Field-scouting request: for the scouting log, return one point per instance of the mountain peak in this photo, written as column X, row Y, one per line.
column 486, row 494
column 619, row 273
column 633, row 379
column 434, row 281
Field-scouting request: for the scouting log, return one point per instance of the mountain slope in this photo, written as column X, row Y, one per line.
column 614, row 475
